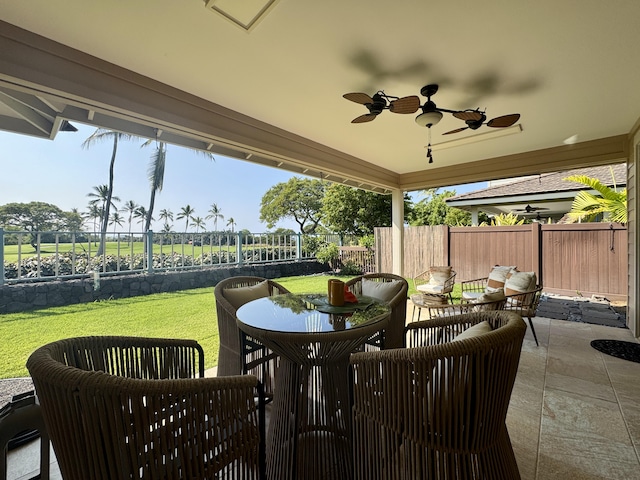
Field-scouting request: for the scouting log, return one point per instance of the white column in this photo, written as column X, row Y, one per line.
column 397, row 229
column 474, row 216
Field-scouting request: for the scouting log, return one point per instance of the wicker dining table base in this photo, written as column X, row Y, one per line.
column 310, row 430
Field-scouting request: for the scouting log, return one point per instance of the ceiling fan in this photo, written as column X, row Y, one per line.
column 530, row 209
column 431, row 113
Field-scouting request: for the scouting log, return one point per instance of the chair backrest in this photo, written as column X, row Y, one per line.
column 124, row 407
column 395, row 295
column 438, row 410
column 230, row 294
column 436, row 280
column 525, row 303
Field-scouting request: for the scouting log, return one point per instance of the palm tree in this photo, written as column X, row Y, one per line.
column 167, row 228
column 198, row 222
column 101, row 135
column 215, row 213
column 166, row 215
column 140, row 214
column 610, row 202
column 93, row 213
column 156, row 172
column 102, row 197
column 186, row 213
column 231, row 222
column 116, row 219
column 130, row 207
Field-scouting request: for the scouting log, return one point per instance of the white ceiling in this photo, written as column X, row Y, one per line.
column 568, row 67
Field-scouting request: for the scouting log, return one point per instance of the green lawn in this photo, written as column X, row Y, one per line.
column 46, row 249
column 184, row 314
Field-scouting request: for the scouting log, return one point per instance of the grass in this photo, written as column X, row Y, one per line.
column 111, row 248
column 184, row 314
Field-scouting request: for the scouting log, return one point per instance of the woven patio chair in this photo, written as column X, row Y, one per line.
column 240, row 353
column 437, row 409
column 391, row 289
column 525, row 304
column 436, row 281
column 134, row 408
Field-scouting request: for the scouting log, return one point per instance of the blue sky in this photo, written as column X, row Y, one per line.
column 62, row 173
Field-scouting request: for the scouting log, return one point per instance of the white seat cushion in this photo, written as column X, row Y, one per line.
column 427, row 288
column 472, row 296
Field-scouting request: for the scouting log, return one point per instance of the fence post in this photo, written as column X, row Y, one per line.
column 1, row 256
column 149, row 251
column 239, row 254
column 298, row 247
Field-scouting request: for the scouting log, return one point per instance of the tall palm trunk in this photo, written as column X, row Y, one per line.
column 107, row 207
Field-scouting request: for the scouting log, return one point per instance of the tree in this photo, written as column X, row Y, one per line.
column 186, row 212
column 140, row 214
column 101, row 135
column 216, row 214
column 198, row 222
column 231, row 223
column 93, row 213
column 156, row 173
column 33, row 217
column 298, row 199
column 74, row 220
column 351, row 211
column 507, row 219
column 608, row 202
column 116, row 219
column 167, row 228
column 102, row 198
column 433, row 210
column 130, row 207
column 166, row 215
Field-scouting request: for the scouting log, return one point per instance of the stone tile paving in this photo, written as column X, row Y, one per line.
column 594, row 310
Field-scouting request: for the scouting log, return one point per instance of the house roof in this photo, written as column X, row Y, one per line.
column 271, row 92
column 548, row 192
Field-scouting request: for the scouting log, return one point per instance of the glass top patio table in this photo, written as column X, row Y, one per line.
column 310, row 313
column 310, row 425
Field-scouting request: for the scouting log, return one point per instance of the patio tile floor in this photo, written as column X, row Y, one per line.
column 574, row 412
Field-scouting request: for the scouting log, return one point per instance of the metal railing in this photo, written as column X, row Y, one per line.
column 38, row 256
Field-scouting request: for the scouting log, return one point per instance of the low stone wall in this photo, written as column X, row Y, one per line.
column 29, row 296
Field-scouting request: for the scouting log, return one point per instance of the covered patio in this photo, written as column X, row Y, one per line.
column 266, row 87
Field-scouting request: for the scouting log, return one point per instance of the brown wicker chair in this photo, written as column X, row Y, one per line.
column 525, row 304
column 240, row 353
column 125, row 407
column 394, row 334
column 437, row 410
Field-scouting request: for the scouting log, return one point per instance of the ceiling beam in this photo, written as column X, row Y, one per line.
column 592, row 153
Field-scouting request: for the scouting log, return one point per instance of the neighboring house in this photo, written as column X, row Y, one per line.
column 539, row 197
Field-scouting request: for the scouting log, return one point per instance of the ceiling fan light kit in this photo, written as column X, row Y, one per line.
column 428, row 119
column 431, row 113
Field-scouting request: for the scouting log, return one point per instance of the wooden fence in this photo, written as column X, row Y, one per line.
column 575, row 259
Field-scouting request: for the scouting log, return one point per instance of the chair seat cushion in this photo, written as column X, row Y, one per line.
column 471, row 296
column 428, row 288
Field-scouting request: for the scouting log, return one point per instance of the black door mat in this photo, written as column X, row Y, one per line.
column 618, row 348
